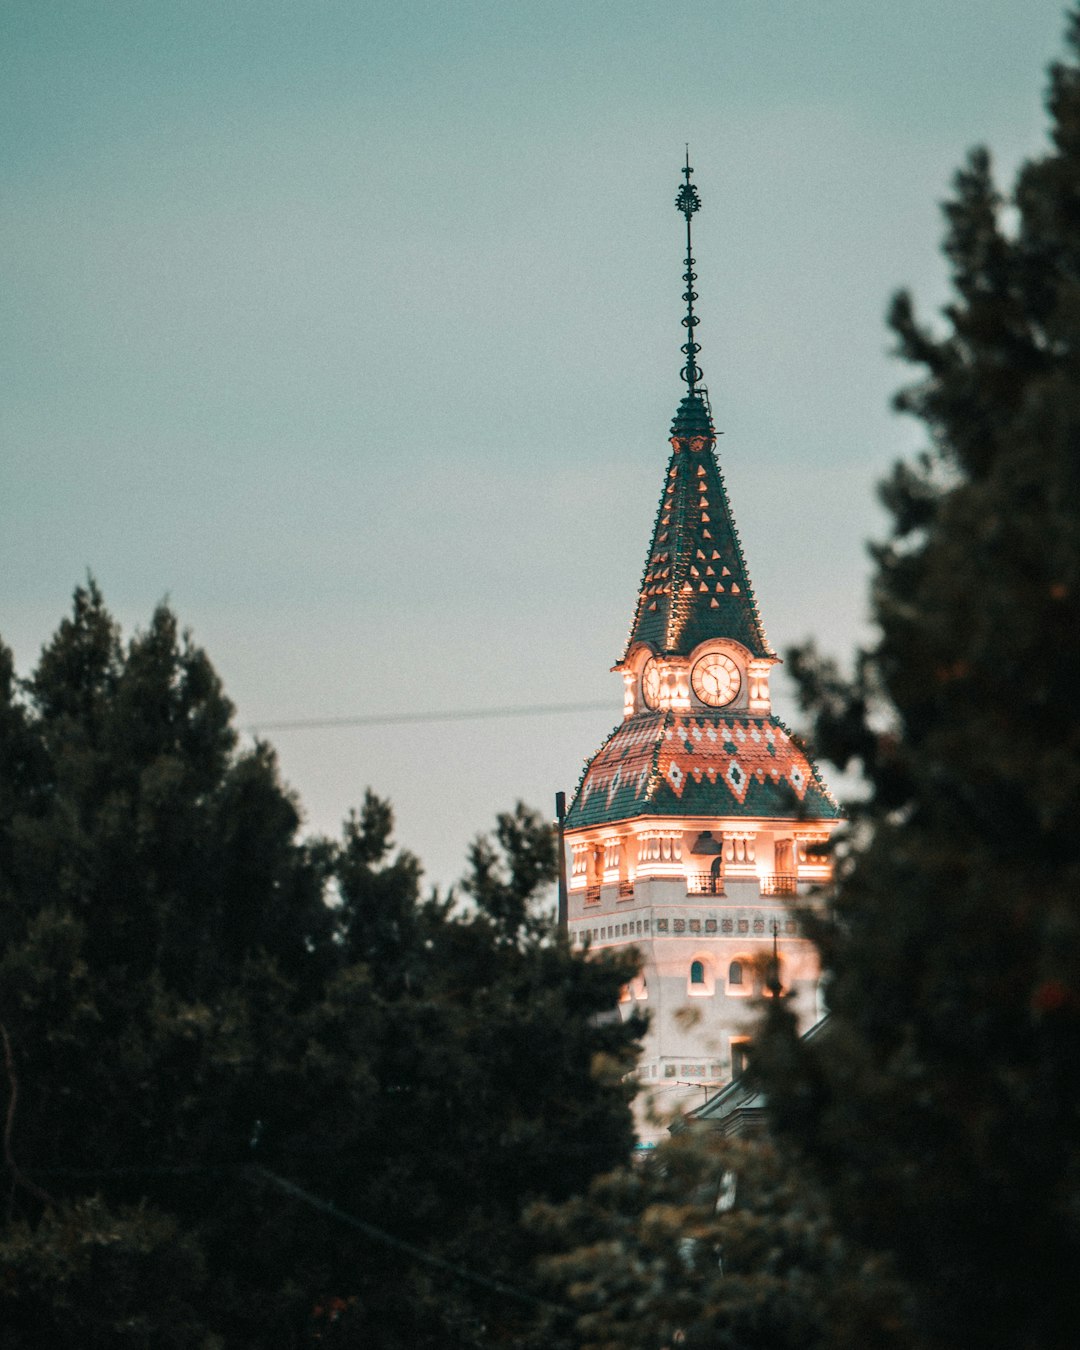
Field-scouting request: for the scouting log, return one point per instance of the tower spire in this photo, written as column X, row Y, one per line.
column 688, row 201
column 695, row 586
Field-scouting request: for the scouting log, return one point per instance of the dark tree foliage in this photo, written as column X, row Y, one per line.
column 714, row 1244
column 943, row 1106
column 214, row 1030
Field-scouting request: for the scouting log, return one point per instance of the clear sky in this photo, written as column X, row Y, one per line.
column 352, row 329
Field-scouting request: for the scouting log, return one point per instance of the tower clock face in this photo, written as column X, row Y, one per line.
column 715, row 679
column 650, row 683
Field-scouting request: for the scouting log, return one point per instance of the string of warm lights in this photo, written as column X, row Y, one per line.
column 447, row 715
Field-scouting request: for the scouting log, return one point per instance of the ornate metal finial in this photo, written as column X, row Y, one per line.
column 688, row 201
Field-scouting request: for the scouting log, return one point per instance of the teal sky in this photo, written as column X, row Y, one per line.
column 353, row 329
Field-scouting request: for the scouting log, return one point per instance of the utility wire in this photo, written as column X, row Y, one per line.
column 290, row 1188
column 381, row 1235
column 451, row 715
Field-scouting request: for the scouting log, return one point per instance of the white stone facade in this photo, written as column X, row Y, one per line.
column 705, row 925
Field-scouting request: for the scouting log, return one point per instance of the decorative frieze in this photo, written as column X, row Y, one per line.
column 663, row 846
column 626, row 931
column 612, row 858
column 757, row 676
column 756, row 923
column 740, row 847
column 809, row 849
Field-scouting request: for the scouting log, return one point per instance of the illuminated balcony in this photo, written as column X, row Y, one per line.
column 780, row 883
column 704, row 883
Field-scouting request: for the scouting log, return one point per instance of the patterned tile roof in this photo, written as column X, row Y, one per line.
column 695, row 584
column 700, row 764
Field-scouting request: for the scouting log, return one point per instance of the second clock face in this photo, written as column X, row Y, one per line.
column 650, row 683
column 715, row 679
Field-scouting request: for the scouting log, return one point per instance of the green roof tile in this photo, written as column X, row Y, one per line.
column 695, row 584
column 703, row 763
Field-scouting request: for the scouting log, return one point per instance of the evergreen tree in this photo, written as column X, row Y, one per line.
column 261, row 1091
column 942, row 1107
column 714, row 1244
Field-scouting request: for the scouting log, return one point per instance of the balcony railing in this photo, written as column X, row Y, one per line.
column 626, row 890
column 592, row 895
column 704, row 883
column 780, row 883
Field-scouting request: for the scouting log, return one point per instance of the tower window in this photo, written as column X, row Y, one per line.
column 701, row 977
column 740, row 977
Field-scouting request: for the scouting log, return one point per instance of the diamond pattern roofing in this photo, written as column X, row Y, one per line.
column 703, row 763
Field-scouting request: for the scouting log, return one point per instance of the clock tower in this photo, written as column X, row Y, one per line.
column 700, row 822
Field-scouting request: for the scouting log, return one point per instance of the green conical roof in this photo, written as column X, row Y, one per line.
column 695, row 584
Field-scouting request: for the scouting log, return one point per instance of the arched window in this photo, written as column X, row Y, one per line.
column 740, row 976
column 701, row 976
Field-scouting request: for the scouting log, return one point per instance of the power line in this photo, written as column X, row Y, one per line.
column 450, row 715
column 296, row 1192
column 388, row 1239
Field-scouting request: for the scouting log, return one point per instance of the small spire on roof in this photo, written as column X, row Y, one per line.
column 688, row 201
column 773, row 984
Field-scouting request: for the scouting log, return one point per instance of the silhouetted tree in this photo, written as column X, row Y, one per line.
column 942, row 1108
column 262, row 1091
column 714, row 1244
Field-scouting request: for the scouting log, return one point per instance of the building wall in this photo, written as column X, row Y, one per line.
column 640, row 884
